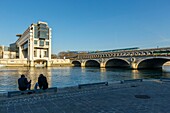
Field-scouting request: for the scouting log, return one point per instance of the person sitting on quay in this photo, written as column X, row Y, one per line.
column 23, row 83
column 42, row 82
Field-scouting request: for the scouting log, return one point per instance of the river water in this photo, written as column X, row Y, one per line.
column 71, row 76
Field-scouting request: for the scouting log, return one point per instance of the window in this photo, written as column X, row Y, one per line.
column 35, row 42
column 43, row 34
column 45, row 53
column 35, row 32
column 25, row 46
column 47, row 43
column 42, row 25
column 35, row 53
column 41, row 43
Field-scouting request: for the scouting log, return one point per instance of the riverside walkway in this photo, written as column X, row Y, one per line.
column 149, row 96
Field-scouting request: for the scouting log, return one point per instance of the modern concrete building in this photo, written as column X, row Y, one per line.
column 35, row 44
column 33, row 48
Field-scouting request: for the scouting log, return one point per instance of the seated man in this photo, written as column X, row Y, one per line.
column 42, row 82
column 23, row 83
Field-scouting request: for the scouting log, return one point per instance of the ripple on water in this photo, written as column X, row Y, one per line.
column 71, row 76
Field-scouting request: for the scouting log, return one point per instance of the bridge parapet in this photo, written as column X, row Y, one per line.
column 130, row 53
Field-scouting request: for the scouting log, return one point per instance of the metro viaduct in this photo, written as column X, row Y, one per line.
column 134, row 59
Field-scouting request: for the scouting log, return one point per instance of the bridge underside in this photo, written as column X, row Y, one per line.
column 117, row 63
column 152, row 63
column 76, row 64
column 92, row 63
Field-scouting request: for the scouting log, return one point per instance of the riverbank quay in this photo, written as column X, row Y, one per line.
column 149, row 96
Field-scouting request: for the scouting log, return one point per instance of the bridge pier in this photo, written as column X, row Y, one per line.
column 133, row 65
column 102, row 65
column 83, row 64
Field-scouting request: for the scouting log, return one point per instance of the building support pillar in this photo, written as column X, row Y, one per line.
column 48, row 63
column 31, row 63
column 20, row 53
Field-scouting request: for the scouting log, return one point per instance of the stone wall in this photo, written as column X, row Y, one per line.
column 13, row 62
column 60, row 62
column 24, row 62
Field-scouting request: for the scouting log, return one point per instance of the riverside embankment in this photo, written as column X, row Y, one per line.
column 149, row 96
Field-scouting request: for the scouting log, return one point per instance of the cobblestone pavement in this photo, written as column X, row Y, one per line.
column 134, row 97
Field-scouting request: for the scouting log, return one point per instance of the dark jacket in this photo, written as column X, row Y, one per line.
column 42, row 82
column 22, row 82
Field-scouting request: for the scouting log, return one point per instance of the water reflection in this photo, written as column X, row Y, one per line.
column 83, row 69
column 135, row 74
column 33, row 74
column 102, row 70
column 166, row 68
column 103, row 74
column 71, row 76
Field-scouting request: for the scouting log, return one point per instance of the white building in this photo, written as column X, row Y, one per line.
column 34, row 45
column 33, row 48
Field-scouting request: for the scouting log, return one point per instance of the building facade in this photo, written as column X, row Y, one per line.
column 33, row 48
column 35, row 45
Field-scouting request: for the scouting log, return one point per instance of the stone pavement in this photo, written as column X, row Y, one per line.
column 135, row 97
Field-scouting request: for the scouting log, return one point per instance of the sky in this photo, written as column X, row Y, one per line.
column 90, row 25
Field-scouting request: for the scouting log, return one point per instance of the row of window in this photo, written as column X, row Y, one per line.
column 41, row 42
column 40, row 54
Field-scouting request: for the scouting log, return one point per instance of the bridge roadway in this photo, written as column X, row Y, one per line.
column 134, row 59
column 136, row 97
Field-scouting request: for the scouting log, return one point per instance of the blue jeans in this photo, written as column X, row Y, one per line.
column 36, row 86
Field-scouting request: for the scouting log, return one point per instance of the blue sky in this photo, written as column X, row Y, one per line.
column 90, row 25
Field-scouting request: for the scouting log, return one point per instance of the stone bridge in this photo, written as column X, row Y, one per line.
column 134, row 59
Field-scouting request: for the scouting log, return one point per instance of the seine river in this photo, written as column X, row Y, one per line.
column 71, row 76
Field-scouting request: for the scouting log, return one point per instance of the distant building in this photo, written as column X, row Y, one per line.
column 13, row 48
column 5, row 53
column 35, row 44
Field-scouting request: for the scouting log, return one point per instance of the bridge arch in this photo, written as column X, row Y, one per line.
column 118, row 62
column 92, row 63
column 76, row 64
column 151, row 63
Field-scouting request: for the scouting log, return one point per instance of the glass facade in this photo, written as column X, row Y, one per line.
column 42, row 25
column 6, row 48
column 41, row 31
column 13, row 47
column 43, row 34
column 25, row 46
column 35, row 32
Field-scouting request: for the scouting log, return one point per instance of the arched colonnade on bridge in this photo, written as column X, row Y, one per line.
column 133, row 63
column 116, row 54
